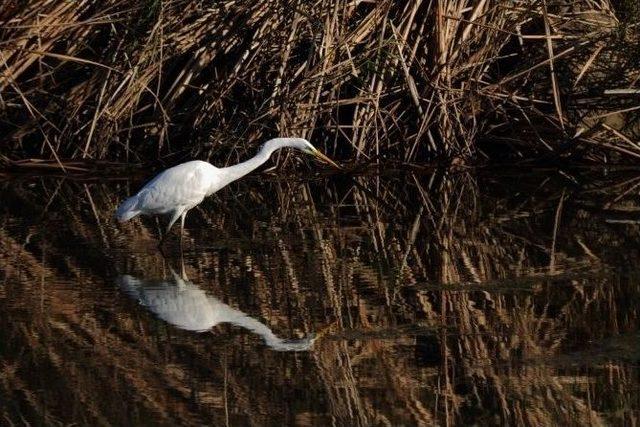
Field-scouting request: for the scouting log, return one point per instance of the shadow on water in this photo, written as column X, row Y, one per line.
column 444, row 298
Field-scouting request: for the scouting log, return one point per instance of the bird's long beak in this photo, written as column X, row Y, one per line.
column 325, row 159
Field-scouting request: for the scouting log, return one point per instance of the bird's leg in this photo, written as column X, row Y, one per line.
column 183, row 270
column 174, row 218
column 159, row 229
column 161, row 248
column 161, row 237
column 182, row 217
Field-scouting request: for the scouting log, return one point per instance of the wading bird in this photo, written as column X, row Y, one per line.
column 176, row 190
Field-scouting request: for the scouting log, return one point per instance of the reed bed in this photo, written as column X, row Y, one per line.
column 452, row 299
column 419, row 81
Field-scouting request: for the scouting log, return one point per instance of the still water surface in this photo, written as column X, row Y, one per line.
column 408, row 299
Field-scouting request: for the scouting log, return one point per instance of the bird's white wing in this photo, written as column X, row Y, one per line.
column 184, row 185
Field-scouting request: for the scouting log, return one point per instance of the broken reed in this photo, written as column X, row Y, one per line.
column 410, row 81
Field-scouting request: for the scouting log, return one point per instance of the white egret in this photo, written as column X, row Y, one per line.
column 186, row 306
column 180, row 188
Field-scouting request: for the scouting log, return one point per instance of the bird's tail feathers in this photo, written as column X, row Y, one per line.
column 127, row 209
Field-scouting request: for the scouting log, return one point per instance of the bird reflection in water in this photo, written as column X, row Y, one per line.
column 183, row 304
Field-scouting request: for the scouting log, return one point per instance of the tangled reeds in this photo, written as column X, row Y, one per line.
column 368, row 81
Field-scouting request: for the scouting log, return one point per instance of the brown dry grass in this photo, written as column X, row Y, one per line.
column 138, row 81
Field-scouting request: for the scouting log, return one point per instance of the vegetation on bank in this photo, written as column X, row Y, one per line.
column 406, row 81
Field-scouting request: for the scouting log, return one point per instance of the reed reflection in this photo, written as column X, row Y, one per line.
column 181, row 303
column 453, row 299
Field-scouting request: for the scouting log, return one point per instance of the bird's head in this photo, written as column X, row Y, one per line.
column 300, row 144
column 307, row 148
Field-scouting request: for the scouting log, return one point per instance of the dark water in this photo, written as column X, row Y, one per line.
column 448, row 298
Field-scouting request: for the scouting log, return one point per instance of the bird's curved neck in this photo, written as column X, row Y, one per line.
column 241, row 169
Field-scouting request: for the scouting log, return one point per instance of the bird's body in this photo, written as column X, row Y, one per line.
column 181, row 187
column 178, row 189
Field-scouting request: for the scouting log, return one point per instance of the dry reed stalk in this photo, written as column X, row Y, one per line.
column 407, row 81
